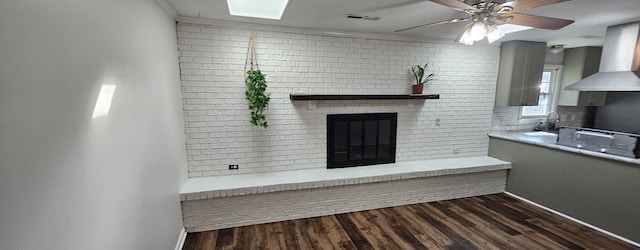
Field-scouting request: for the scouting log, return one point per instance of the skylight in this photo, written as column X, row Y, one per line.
column 510, row 28
column 268, row 9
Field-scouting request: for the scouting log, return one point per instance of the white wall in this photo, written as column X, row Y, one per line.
column 68, row 181
column 217, row 120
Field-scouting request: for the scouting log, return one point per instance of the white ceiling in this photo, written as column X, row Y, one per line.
column 591, row 18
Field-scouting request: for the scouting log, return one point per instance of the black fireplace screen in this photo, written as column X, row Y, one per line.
column 361, row 139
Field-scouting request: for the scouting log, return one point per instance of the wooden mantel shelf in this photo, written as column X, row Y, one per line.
column 304, row 97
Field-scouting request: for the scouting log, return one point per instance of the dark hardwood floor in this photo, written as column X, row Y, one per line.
column 485, row 222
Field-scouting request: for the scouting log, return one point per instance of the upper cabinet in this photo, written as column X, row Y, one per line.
column 521, row 66
column 578, row 64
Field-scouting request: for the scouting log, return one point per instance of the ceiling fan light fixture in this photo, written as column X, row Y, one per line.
column 494, row 34
column 485, row 14
column 466, row 38
column 478, row 31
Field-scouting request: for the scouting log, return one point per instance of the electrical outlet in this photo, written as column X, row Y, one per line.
column 438, row 122
column 233, row 167
column 456, row 151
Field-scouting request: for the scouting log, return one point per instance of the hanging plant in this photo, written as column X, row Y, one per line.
column 258, row 100
column 256, row 86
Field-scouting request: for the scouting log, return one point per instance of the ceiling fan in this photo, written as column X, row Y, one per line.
column 485, row 14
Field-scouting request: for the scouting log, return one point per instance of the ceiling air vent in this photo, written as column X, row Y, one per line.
column 590, row 37
column 371, row 18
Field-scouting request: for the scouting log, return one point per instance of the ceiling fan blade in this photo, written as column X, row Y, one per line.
column 455, row 4
column 455, row 20
column 541, row 22
column 520, row 5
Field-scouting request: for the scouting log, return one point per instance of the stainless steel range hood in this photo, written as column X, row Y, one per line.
column 620, row 62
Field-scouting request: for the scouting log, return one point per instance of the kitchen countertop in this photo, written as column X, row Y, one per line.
column 549, row 141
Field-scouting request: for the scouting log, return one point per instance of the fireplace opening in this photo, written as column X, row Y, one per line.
column 361, row 139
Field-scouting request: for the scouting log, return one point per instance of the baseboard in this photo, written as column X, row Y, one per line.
column 576, row 220
column 181, row 238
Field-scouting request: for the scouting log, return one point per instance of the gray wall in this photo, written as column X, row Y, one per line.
column 620, row 113
column 601, row 192
column 67, row 180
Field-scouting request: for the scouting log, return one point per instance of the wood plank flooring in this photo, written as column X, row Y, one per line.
column 485, row 222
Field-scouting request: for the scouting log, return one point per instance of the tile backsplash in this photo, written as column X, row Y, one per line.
column 508, row 118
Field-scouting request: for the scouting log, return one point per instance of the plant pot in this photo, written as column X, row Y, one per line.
column 417, row 89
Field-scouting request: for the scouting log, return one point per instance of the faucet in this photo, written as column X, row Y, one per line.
column 551, row 124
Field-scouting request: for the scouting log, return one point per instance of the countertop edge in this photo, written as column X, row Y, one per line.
column 513, row 136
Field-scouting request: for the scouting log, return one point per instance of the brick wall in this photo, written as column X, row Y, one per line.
column 225, row 212
column 217, row 126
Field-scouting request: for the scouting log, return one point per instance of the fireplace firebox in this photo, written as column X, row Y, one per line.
column 361, row 139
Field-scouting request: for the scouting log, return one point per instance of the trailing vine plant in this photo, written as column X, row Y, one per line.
column 256, row 87
column 258, row 100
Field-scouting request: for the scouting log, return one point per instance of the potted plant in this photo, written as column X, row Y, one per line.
column 421, row 79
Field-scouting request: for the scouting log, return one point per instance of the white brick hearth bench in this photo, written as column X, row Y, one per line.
column 237, row 200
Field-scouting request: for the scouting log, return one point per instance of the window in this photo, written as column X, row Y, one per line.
column 548, row 94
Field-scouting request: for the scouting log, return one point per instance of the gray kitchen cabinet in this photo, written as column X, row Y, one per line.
column 521, row 66
column 580, row 63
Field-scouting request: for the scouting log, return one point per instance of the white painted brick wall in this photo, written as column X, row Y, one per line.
column 217, row 126
column 225, row 212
